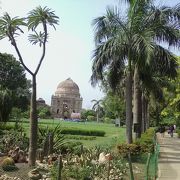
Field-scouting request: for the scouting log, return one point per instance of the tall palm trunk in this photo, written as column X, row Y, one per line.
column 129, row 107
column 145, row 114
column 143, row 124
column 33, row 125
column 137, row 108
column 157, row 121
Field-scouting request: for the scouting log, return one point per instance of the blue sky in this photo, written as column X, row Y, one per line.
column 69, row 48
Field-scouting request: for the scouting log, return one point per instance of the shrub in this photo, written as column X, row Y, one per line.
column 85, row 166
column 51, row 139
column 141, row 145
column 8, row 164
column 83, row 132
column 125, row 148
column 6, row 127
column 73, row 131
column 44, row 112
column 147, row 140
column 70, row 147
column 178, row 132
column 11, row 139
column 107, row 120
column 76, row 137
column 91, row 118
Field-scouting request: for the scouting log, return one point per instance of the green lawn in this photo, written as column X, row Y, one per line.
column 113, row 134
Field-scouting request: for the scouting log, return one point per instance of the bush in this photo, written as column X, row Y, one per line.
column 6, row 127
column 178, row 132
column 91, row 118
column 141, row 145
column 83, row 132
column 85, row 166
column 11, row 139
column 76, row 137
column 8, row 164
column 147, row 137
column 70, row 147
column 44, row 112
column 147, row 140
column 125, row 148
column 107, row 120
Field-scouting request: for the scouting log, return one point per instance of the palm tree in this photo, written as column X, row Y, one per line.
column 132, row 40
column 165, row 30
column 10, row 27
column 97, row 107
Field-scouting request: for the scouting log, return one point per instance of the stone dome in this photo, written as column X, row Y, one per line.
column 41, row 100
column 67, row 87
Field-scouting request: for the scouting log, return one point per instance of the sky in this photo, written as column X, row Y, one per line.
column 69, row 48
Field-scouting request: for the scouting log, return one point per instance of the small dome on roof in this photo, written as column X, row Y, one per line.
column 41, row 100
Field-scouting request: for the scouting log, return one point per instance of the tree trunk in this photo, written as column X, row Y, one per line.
column 97, row 116
column 137, row 108
column 51, row 139
column 157, row 115
column 33, row 125
column 143, row 124
column 129, row 107
column 147, row 114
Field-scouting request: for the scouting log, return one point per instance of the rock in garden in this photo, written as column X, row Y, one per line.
column 34, row 174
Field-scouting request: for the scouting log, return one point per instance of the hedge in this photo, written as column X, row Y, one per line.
column 84, row 132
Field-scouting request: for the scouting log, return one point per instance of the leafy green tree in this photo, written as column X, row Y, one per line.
column 87, row 112
column 12, row 74
column 154, row 82
column 11, row 28
column 91, row 118
column 12, row 77
column 5, row 104
column 44, row 112
column 23, row 97
column 114, row 106
column 172, row 109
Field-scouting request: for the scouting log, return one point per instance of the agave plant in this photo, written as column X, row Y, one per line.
column 51, row 139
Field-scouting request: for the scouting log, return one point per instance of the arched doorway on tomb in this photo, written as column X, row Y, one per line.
column 65, row 113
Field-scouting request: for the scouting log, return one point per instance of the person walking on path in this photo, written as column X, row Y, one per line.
column 171, row 130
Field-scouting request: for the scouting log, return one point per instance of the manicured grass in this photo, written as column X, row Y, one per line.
column 113, row 134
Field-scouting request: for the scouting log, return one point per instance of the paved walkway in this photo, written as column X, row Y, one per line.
column 169, row 158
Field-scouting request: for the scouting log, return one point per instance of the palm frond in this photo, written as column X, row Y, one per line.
column 104, row 55
column 37, row 38
column 107, row 26
column 165, row 62
column 10, row 26
column 42, row 15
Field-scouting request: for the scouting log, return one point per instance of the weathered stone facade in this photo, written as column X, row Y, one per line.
column 66, row 100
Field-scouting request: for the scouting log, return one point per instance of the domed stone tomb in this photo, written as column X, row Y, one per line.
column 67, row 99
